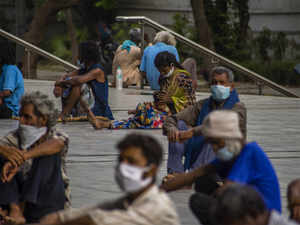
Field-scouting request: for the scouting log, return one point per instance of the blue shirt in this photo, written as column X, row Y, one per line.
column 252, row 167
column 12, row 79
column 148, row 66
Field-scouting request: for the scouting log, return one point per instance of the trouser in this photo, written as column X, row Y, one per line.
column 42, row 188
column 203, row 200
column 176, row 152
column 5, row 112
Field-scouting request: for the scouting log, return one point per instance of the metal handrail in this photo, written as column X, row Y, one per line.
column 206, row 51
column 37, row 50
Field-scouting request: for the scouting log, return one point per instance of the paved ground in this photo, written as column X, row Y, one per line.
column 272, row 121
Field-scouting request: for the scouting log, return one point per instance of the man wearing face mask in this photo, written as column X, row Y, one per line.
column 135, row 174
column 182, row 129
column 33, row 180
column 236, row 161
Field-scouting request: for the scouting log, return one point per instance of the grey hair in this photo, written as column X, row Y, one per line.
column 43, row 106
column 165, row 37
column 234, row 146
column 220, row 70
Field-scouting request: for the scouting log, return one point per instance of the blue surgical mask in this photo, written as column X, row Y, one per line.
column 220, row 92
column 224, row 155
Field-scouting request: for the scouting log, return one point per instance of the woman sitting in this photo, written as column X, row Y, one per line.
column 175, row 94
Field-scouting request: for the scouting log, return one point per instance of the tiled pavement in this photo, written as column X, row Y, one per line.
column 272, row 121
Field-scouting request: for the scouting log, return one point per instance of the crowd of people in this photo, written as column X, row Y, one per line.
column 234, row 180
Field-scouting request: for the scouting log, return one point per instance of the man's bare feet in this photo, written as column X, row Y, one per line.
column 99, row 124
column 15, row 216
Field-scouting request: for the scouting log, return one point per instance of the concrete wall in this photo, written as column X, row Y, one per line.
column 277, row 15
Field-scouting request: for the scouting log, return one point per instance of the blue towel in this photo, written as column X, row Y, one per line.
column 127, row 45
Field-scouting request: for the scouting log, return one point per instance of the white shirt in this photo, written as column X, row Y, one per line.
column 152, row 208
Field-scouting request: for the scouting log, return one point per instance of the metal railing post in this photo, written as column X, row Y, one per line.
column 36, row 50
column 28, row 55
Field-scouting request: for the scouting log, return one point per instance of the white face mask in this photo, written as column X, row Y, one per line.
column 30, row 134
column 130, row 178
column 170, row 72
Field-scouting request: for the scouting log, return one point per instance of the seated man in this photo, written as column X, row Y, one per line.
column 236, row 161
column 183, row 128
column 293, row 195
column 241, row 204
column 163, row 41
column 32, row 163
column 128, row 58
column 11, row 83
column 135, row 173
column 92, row 74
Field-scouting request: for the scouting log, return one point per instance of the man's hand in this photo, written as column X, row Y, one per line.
column 173, row 134
column 1, row 101
column 185, row 135
column 12, row 154
column 165, row 99
column 8, row 172
column 50, row 219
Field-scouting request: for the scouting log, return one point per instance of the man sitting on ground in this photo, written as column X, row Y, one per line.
column 92, row 74
column 32, row 163
column 236, row 161
column 241, row 204
column 293, row 195
column 183, row 128
column 143, row 204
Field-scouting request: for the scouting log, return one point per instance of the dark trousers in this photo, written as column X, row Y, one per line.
column 5, row 112
column 203, row 200
column 42, row 189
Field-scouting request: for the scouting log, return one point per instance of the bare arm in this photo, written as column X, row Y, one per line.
column 95, row 74
column 183, row 179
column 49, row 147
column 71, row 74
column 5, row 93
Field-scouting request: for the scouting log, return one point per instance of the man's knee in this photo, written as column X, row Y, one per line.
column 181, row 125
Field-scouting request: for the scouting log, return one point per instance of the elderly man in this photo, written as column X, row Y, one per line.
column 241, row 204
column 163, row 41
column 31, row 163
column 128, row 58
column 293, row 194
column 236, row 161
column 11, row 83
column 183, row 128
column 135, row 174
